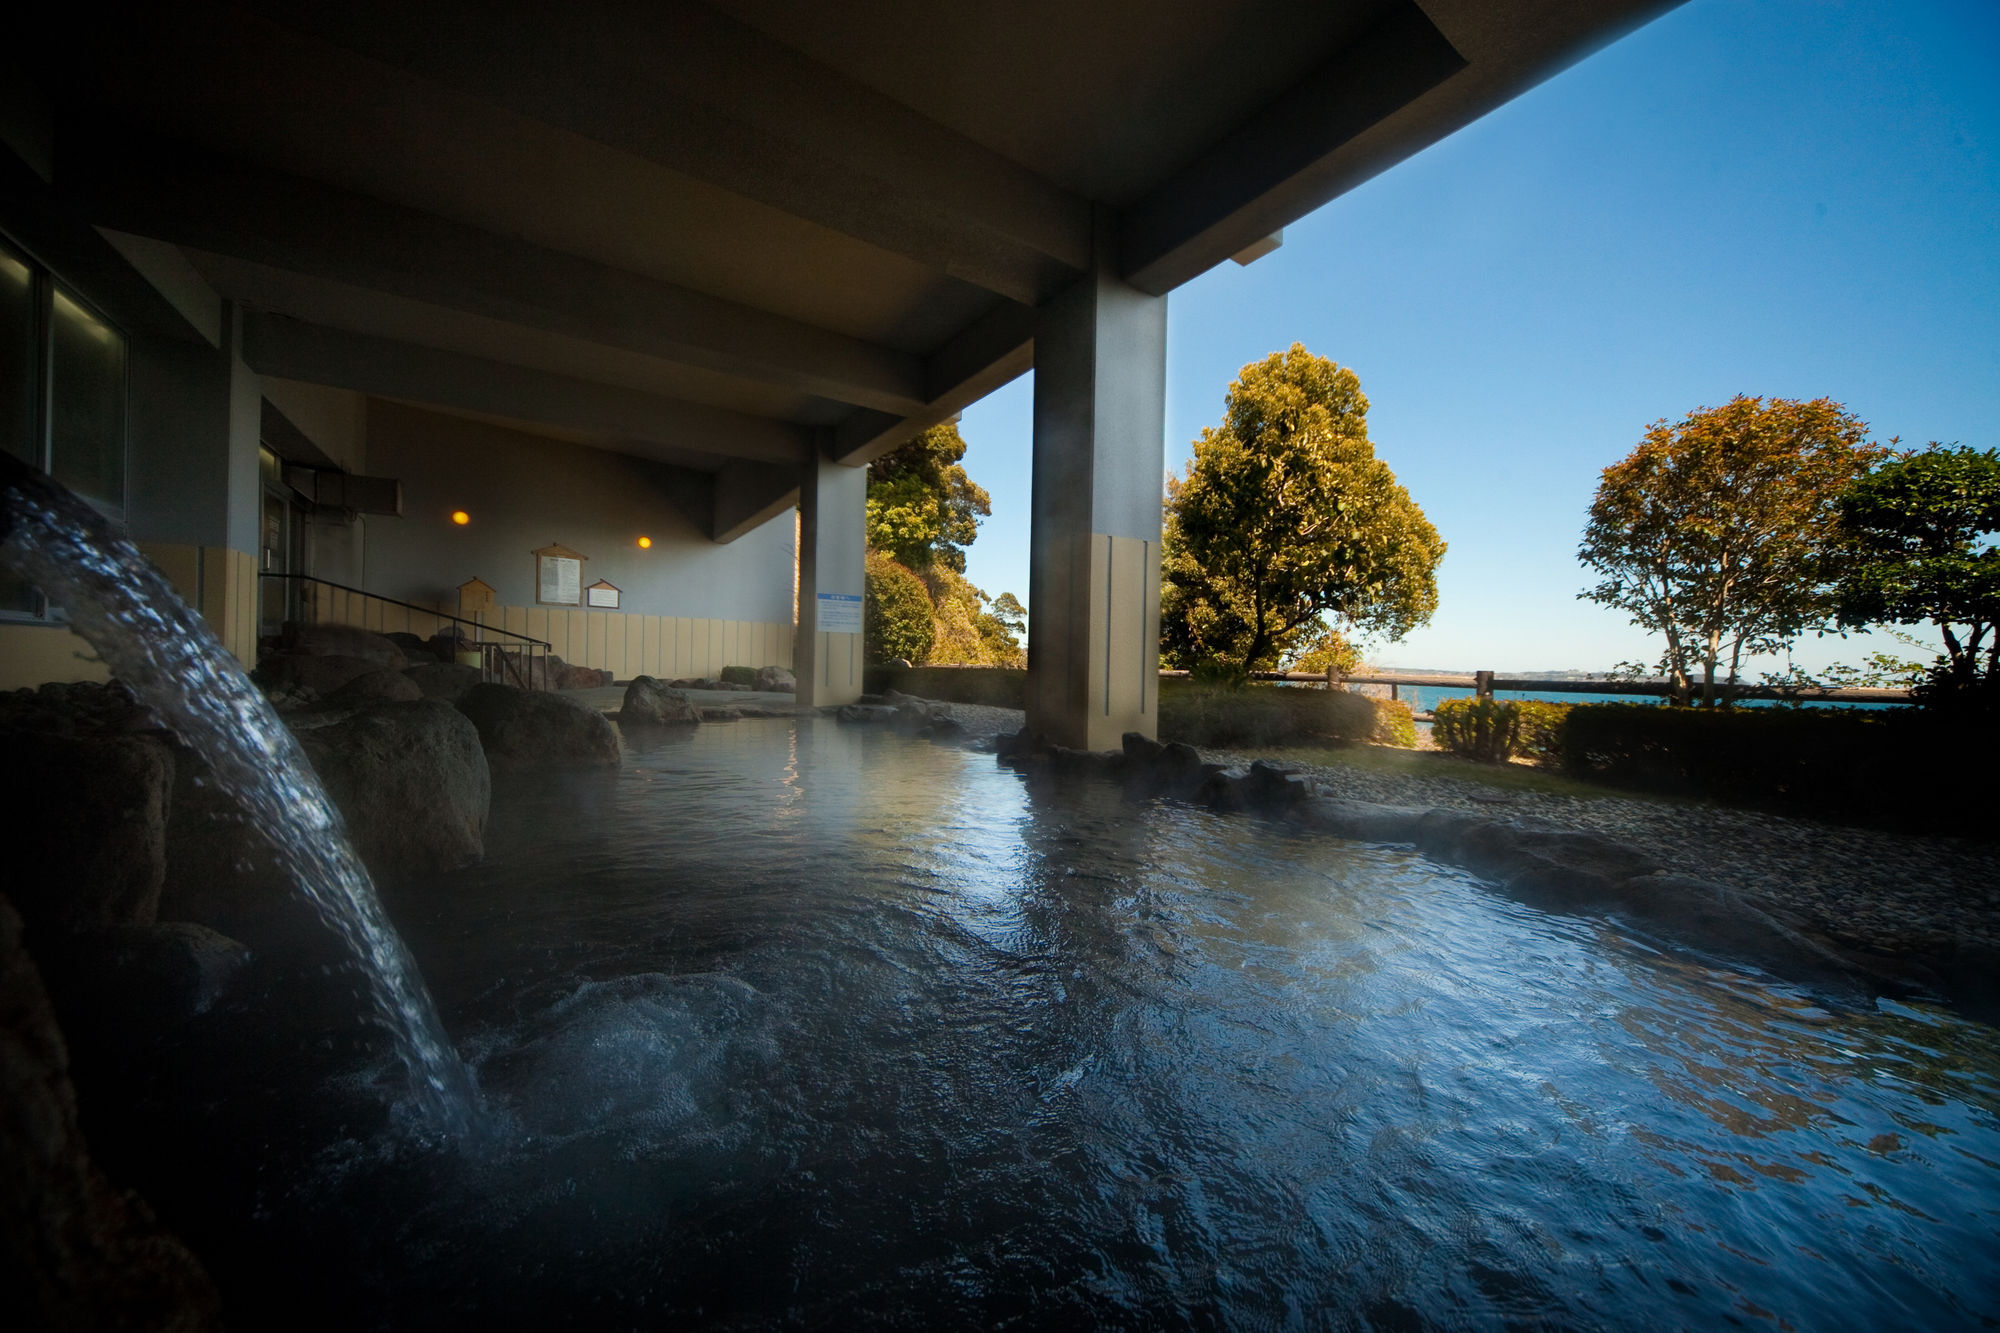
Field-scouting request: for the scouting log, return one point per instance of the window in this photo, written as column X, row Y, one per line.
column 62, row 397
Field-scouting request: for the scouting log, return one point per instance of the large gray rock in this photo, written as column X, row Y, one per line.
column 83, row 819
column 411, row 781
column 391, row 686
column 223, row 872
column 531, row 729
column 75, row 1251
column 649, row 702
column 582, row 678
column 777, row 680
column 444, row 680
column 322, row 674
column 415, row 649
column 122, row 983
column 345, row 641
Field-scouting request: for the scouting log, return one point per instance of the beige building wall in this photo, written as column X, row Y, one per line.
column 625, row 643
column 33, row 654
column 214, row 580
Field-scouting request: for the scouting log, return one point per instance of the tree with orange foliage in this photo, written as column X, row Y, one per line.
column 1719, row 532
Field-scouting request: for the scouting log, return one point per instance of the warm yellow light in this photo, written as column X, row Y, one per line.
column 460, row 517
column 645, row 542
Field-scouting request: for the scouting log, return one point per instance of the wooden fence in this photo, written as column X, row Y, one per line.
column 1485, row 683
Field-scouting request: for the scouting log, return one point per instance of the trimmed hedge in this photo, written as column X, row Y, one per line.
column 998, row 687
column 738, row 675
column 1482, row 729
column 1196, row 713
column 1539, row 735
column 1395, row 724
column 1495, row 730
column 1902, row 767
column 1263, row 715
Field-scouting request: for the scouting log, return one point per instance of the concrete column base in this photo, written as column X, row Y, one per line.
column 833, row 509
column 1108, row 611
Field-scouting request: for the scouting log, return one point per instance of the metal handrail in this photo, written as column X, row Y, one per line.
column 493, row 659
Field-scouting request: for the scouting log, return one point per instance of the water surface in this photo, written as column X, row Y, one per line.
column 825, row 1027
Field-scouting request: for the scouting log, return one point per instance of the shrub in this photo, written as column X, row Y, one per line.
column 739, row 675
column 1395, row 724
column 1539, row 736
column 1262, row 715
column 997, row 687
column 1482, row 729
column 898, row 612
column 1895, row 766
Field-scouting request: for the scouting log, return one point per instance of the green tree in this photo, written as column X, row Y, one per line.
column 922, row 507
column 1920, row 548
column 1718, row 531
column 1007, row 609
column 1328, row 651
column 1286, row 516
column 898, row 620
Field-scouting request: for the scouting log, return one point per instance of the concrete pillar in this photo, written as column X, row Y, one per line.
column 833, row 508
column 1094, row 558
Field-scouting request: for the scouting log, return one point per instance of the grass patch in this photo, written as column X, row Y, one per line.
column 1435, row 764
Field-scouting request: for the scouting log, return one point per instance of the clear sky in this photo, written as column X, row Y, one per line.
column 1789, row 198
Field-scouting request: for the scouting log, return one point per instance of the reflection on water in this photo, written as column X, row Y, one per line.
column 828, row 1027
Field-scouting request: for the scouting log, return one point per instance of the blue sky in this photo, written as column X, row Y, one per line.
column 1777, row 197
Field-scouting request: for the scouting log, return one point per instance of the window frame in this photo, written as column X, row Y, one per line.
column 43, row 287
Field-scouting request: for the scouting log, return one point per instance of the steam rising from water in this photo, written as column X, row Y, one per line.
column 170, row 659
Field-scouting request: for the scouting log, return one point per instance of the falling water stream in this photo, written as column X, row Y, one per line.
column 166, row 654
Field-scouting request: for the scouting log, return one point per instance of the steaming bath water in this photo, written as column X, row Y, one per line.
column 815, row 1025
column 792, row 1024
column 173, row 663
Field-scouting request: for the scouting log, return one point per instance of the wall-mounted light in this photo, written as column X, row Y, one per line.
column 460, row 517
column 645, row 542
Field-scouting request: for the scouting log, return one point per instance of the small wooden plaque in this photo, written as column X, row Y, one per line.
column 474, row 596
column 602, row 594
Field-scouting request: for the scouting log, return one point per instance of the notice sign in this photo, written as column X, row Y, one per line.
column 559, row 575
column 839, row 613
column 602, row 593
column 561, row 581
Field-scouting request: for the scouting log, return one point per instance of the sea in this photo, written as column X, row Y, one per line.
column 1424, row 698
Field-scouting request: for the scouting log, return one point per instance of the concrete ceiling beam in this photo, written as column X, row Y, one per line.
column 697, row 92
column 992, row 351
column 384, row 368
column 749, row 495
column 1415, row 76
column 1215, row 206
column 210, row 203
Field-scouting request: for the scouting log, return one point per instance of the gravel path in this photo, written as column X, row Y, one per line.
column 1869, row 889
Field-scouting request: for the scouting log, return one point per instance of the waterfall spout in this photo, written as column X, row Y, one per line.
column 165, row 653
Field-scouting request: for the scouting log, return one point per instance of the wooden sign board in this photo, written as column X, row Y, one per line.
column 603, row 593
column 559, row 575
column 474, row 596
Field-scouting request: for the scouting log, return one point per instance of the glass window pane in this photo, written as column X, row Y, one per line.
column 87, row 404
column 17, row 394
column 17, row 359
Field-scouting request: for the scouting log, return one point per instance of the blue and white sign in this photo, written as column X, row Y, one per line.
column 839, row 613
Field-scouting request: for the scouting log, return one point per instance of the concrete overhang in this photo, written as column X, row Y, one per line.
column 737, row 232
